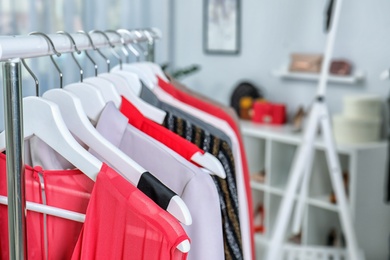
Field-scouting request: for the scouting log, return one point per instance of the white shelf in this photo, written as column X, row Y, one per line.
column 322, row 202
column 285, row 134
column 272, row 149
column 266, row 188
column 319, row 201
column 352, row 79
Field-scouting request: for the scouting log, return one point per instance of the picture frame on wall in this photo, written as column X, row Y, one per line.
column 221, row 29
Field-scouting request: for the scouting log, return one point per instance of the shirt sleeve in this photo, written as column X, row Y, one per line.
column 201, row 197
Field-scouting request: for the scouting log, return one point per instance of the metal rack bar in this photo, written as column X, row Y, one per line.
column 30, row 46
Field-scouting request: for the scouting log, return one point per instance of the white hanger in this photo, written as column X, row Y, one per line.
column 152, row 76
column 132, row 80
column 141, row 73
column 156, row 69
column 79, row 124
column 205, row 160
column 108, row 89
column 125, row 87
column 92, row 99
column 109, row 152
column 43, row 119
column 149, row 111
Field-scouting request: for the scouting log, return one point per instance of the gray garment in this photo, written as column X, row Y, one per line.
column 148, row 96
column 194, row 186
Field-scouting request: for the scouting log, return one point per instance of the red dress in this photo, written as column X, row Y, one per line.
column 66, row 189
column 158, row 132
column 122, row 223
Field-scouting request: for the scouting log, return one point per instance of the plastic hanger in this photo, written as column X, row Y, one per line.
column 143, row 76
column 113, row 86
column 205, row 160
column 149, row 111
column 132, row 80
column 130, row 67
column 78, row 123
column 131, row 49
column 156, row 69
column 43, row 119
column 130, row 46
column 106, row 88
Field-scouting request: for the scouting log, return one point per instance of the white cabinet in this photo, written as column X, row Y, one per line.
column 272, row 149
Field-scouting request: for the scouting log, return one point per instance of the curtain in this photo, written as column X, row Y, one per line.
column 50, row 16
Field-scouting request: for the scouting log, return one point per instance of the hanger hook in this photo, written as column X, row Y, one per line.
column 101, row 54
column 50, row 42
column 124, row 46
column 86, row 52
column 130, row 45
column 112, row 47
column 139, row 35
column 72, row 53
column 34, row 77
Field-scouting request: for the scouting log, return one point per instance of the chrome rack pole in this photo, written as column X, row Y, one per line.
column 15, row 165
column 151, row 48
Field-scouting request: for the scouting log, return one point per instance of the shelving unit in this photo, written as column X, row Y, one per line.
column 272, row 149
column 357, row 77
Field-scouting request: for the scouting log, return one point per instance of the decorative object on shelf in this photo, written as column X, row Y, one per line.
column 296, row 239
column 340, row 67
column 332, row 196
column 298, row 119
column 306, row 62
column 221, row 30
column 244, row 89
column 269, row 113
column 258, row 221
column 246, row 111
column 335, row 238
column 259, row 177
column 360, row 121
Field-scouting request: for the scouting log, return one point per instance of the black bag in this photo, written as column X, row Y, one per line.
column 244, row 89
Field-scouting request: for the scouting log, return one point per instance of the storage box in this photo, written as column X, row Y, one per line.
column 350, row 130
column 269, row 113
column 363, row 106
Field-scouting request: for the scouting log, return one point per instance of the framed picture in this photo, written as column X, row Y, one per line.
column 221, row 33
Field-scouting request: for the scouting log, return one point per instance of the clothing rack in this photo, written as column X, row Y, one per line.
column 12, row 49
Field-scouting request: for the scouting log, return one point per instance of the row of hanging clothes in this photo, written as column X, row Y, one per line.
column 130, row 164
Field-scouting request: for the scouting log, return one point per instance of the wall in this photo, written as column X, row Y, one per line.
column 271, row 30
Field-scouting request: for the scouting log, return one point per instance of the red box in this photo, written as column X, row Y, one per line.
column 269, row 113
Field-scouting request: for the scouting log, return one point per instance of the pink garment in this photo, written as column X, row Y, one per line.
column 122, row 223
column 66, row 189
